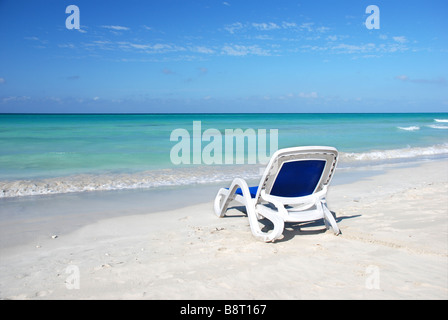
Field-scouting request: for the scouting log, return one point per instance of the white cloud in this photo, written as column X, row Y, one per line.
column 15, row 98
column 2, row 80
column 307, row 26
column 400, row 39
column 402, row 77
column 39, row 43
column 145, row 48
column 67, row 45
column 139, row 46
column 163, row 48
column 287, row 25
column 350, row 48
column 238, row 50
column 202, row 49
column 437, row 81
column 322, row 29
column 308, row 95
column 234, row 27
column 116, row 28
column 265, row 26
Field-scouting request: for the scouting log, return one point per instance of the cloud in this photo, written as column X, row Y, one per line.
column 137, row 45
column 116, row 28
column 41, row 42
column 435, row 81
column 269, row 26
column 400, row 39
column 265, row 26
column 144, row 48
column 287, row 25
column 67, row 45
column 73, row 78
column 234, row 27
column 15, row 99
column 307, row 26
column 402, row 77
column 322, row 29
column 202, row 49
column 36, row 39
column 351, row 48
column 239, row 50
column 308, row 95
column 2, row 80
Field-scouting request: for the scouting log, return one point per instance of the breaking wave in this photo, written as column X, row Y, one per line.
column 147, row 179
column 411, row 128
column 436, row 126
column 183, row 176
column 402, row 153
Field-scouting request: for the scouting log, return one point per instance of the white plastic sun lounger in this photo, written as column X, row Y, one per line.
column 292, row 189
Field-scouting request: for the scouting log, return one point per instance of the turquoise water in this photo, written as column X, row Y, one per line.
column 41, row 154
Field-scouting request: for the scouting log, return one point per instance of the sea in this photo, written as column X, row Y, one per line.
column 44, row 154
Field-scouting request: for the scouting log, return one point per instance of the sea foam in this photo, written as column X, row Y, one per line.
column 401, row 153
column 187, row 176
column 411, row 128
column 436, row 126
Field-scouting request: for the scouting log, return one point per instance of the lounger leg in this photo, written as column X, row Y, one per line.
column 225, row 196
column 329, row 219
column 221, row 203
column 277, row 221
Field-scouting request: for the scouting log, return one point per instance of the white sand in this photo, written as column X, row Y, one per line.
column 394, row 245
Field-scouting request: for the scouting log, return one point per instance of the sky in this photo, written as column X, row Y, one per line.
column 223, row 56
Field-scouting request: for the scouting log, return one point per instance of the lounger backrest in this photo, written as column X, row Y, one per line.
column 298, row 178
column 298, row 172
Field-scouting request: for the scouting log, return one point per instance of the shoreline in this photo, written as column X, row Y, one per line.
column 394, row 225
column 28, row 220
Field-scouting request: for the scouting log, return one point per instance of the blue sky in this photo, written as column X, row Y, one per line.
column 223, row 56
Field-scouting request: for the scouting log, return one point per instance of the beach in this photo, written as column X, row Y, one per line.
column 394, row 245
column 120, row 125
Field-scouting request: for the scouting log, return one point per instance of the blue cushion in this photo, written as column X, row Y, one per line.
column 298, row 178
column 252, row 190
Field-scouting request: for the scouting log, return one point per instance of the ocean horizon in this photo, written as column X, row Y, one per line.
column 59, row 153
